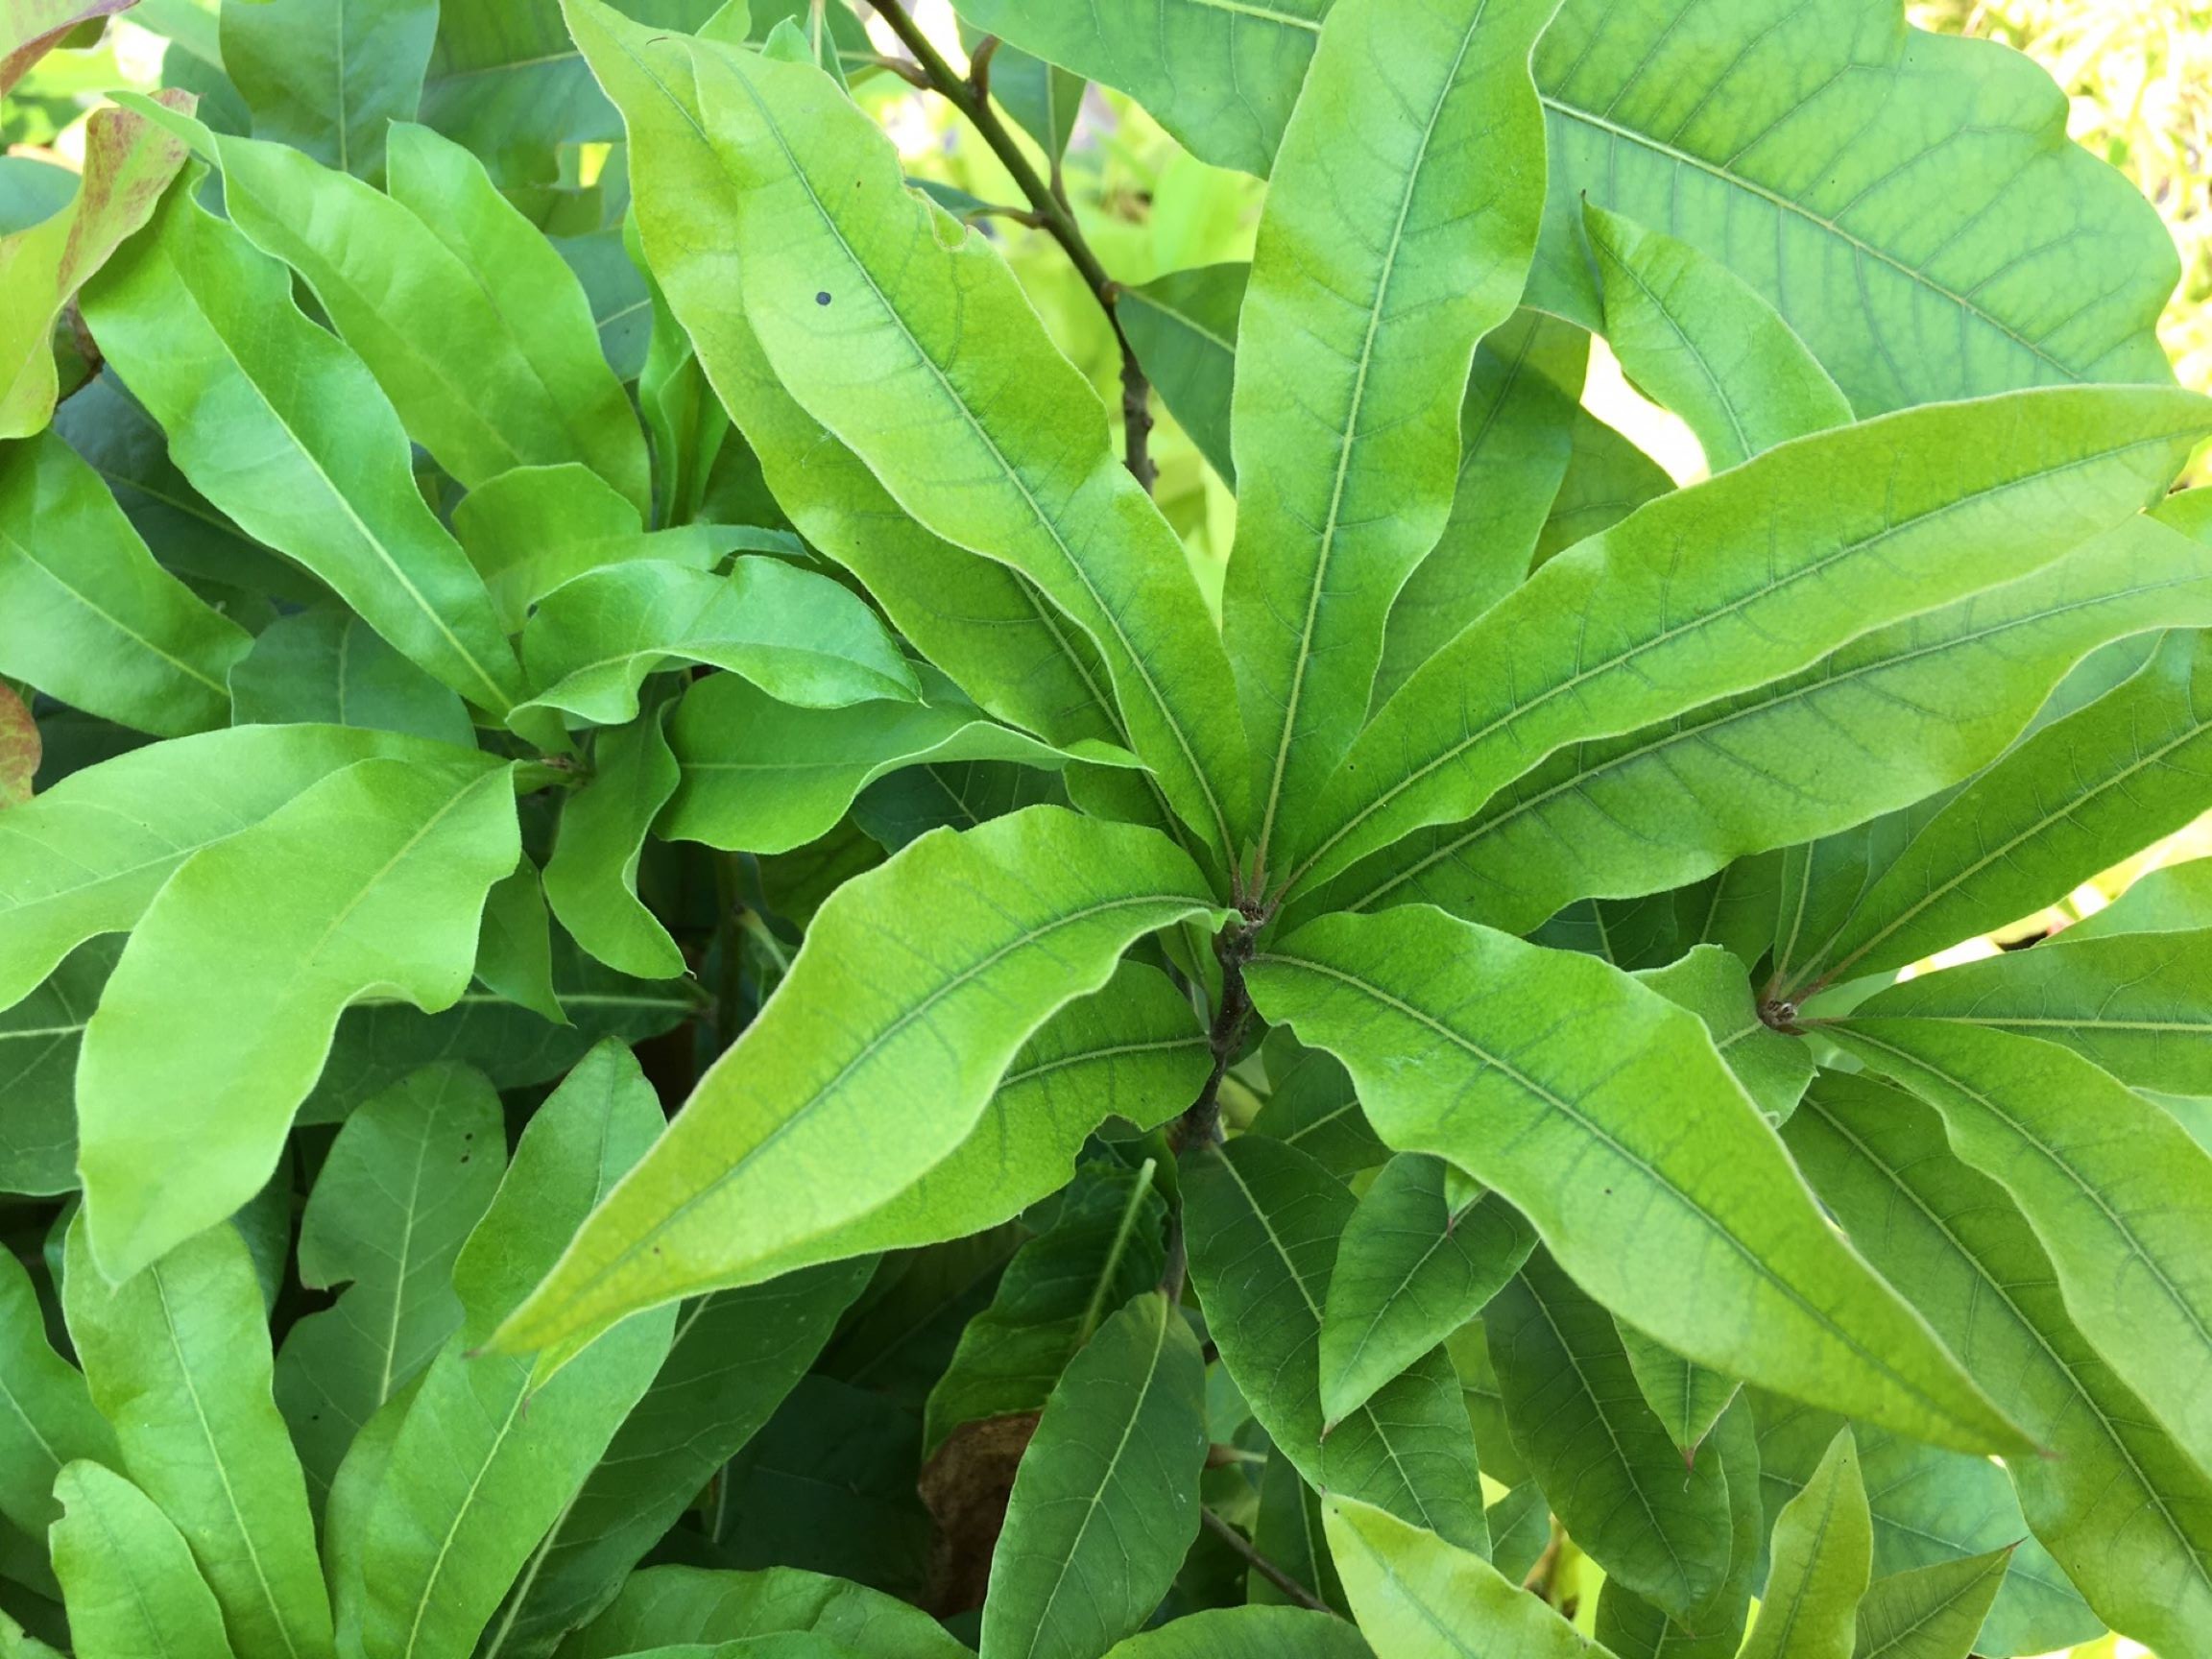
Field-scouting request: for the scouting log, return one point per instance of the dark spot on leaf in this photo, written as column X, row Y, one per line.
column 822, row 298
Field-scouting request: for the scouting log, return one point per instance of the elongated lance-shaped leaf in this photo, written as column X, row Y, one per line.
column 1931, row 1612
column 128, row 1577
column 1248, row 1633
column 128, row 161
column 1418, row 1597
column 1516, row 438
column 1183, row 327
column 177, row 1360
column 89, row 617
column 409, row 1175
column 1415, row 1263
column 1687, row 1398
column 982, row 622
column 327, row 77
column 930, row 324
column 2078, row 796
column 1696, row 338
column 1713, row 984
column 2120, row 1506
column 326, row 665
column 672, row 1605
column 1607, row 1464
column 800, row 636
column 591, row 879
column 482, row 1465
column 733, row 1359
column 49, row 1418
column 218, row 1018
column 1798, row 551
column 1823, row 1551
column 1517, row 1063
column 1378, row 267
column 1890, row 718
column 2116, row 1190
column 88, row 855
column 281, row 426
column 1262, row 1222
column 916, row 986
column 1105, row 1503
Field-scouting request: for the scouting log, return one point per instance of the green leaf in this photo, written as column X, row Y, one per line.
column 1313, row 1108
column 801, row 638
column 220, row 1013
column 1046, row 101
column 919, row 981
column 129, row 1578
column 1380, row 265
column 2078, row 796
column 762, row 776
column 1106, row 1501
column 483, row 1465
column 89, row 617
column 591, row 879
column 515, row 943
column 1415, row 1263
column 281, row 426
column 1607, row 478
column 1695, row 338
column 1687, row 1398
column 40, row 1041
column 128, row 163
column 1607, row 1464
column 1908, row 202
column 1713, row 985
column 1823, row 1551
column 733, row 1357
column 1895, row 716
column 177, row 1360
column 1516, row 435
column 50, row 1418
column 326, row 665
column 329, row 75
column 1262, row 1223
column 1420, row 1598
column 1247, row 1633
column 1800, row 550
column 2174, row 899
column 959, row 795
column 411, row 1172
column 1931, row 1612
column 1514, row 1063
column 921, row 321
column 666, row 1605
column 1183, row 327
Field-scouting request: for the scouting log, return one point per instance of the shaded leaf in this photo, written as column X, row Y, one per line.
column 1247, row 1633
column 328, row 75
column 666, row 1605
column 326, row 665
column 1183, row 327
column 40, row 1038
column 1931, row 1612
column 50, row 1420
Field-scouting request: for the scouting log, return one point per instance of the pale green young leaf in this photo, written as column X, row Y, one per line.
column 1608, row 1466
column 1420, row 1598
column 326, row 665
column 1687, row 1398
column 126, row 1576
column 664, row 1605
column 483, row 1465
column 1514, row 1061
column 1823, row 1553
column 801, row 637
column 1248, row 1633
column 177, row 1360
column 761, row 776
column 1105, row 1503
column 40, row 1041
column 1799, row 550
column 1414, row 1264
column 329, row 75
column 591, row 879
column 1262, row 1222
column 50, row 1419
column 1516, row 436
column 1696, row 338
column 409, row 1175
column 1380, row 265
column 220, row 1013
column 1931, row 1612
column 1183, row 327
column 916, row 986
column 281, row 426
column 85, row 613
column 1714, row 985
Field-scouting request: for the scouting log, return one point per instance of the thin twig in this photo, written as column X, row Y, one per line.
column 980, row 66
column 1260, row 1565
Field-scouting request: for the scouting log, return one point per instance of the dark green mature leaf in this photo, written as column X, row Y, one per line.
column 1606, row 1461
column 1314, row 1108
column 482, row 1465
column 329, row 75
column 1106, row 1501
column 408, row 1177
column 1248, row 1633
column 918, row 983
column 1183, row 327
column 1262, row 1222
column 50, row 1418
column 219, row 1015
column 1931, row 1612
column 40, row 1038
column 666, row 1605
column 1515, row 1063
column 1799, row 550
column 127, row 1576
column 281, row 426
column 1823, row 1553
column 1378, row 267
column 326, row 665
column 1416, row 1262
column 85, row 613
column 177, row 1360
column 959, row 795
